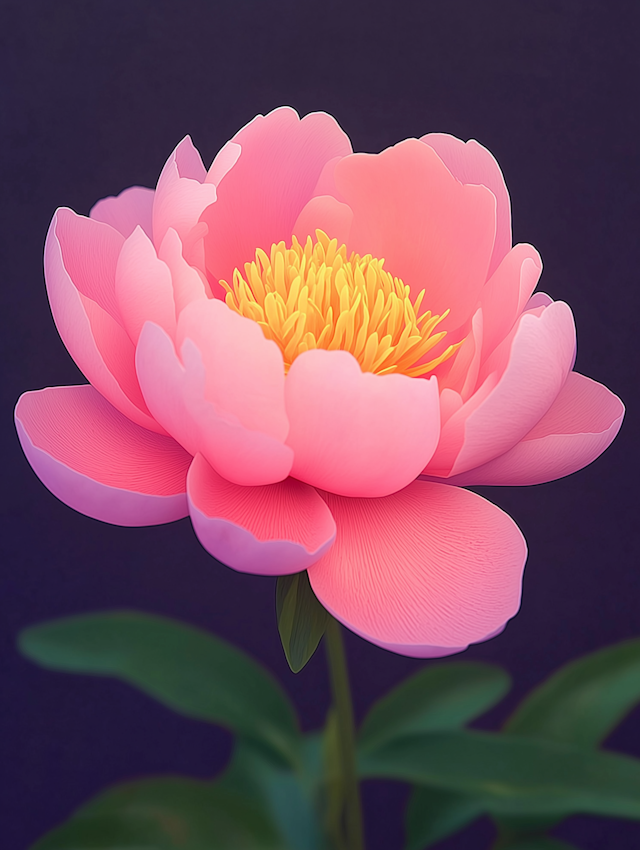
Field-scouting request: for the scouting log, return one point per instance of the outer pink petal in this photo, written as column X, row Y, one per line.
column 423, row 572
column 470, row 162
column 260, row 198
column 501, row 412
column 144, row 289
column 356, row 433
column 432, row 231
column 97, row 461
column 506, row 293
column 274, row 530
column 577, row 428
column 324, row 213
column 126, row 211
column 90, row 251
column 176, row 395
column 95, row 340
column 181, row 194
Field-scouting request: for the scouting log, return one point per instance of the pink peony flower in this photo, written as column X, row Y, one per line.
column 303, row 348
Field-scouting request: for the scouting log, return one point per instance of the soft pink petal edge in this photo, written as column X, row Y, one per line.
column 97, row 461
column 96, row 341
column 581, row 423
column 512, row 399
column 124, row 212
column 470, row 162
column 356, row 433
column 270, row 530
column 261, row 196
column 423, row 572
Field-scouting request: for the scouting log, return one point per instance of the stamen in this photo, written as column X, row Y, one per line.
column 315, row 296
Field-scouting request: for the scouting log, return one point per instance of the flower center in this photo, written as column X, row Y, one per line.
column 314, row 296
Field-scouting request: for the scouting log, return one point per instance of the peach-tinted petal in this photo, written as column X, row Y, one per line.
column 356, row 433
column 260, row 198
column 463, row 374
column 506, row 293
column 423, row 572
column 577, row 428
column 97, row 461
column 327, row 214
column 181, row 194
column 539, row 358
column 188, row 285
column 273, row 530
column 126, row 211
column 432, row 232
column 144, row 289
column 97, row 342
column 244, row 370
column 175, row 392
column 470, row 162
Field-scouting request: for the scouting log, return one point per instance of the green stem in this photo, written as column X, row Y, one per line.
column 346, row 734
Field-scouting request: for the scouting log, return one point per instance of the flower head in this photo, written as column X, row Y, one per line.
column 303, row 349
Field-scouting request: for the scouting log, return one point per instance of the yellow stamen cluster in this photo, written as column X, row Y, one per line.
column 314, row 296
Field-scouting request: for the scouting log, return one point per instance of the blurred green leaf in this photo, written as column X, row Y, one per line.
column 291, row 797
column 166, row 814
column 535, row 842
column 301, row 619
column 581, row 703
column 186, row 669
column 434, row 814
column 584, row 700
column 442, row 696
column 513, row 775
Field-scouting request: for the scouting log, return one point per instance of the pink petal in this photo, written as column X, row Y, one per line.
column 470, row 162
column 96, row 341
column 423, row 572
column 224, row 161
column 274, row 530
column 181, row 194
column 463, row 374
column 144, row 289
column 90, row 251
column 261, row 197
column 187, row 283
column 324, row 213
column 431, row 231
column 126, row 211
column 244, row 370
column 176, row 395
column 506, row 293
column 97, row 461
column 500, row 414
column 577, row 428
column 356, row 433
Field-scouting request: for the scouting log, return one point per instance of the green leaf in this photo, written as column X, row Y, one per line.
column 434, row 814
column 440, row 697
column 583, row 701
column 166, row 814
column 513, row 775
column 301, row 619
column 186, row 669
column 291, row 797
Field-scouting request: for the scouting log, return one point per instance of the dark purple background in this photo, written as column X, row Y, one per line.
column 95, row 95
